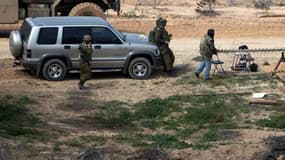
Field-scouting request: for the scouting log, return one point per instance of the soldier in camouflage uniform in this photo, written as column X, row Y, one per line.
column 162, row 39
column 85, row 53
column 207, row 49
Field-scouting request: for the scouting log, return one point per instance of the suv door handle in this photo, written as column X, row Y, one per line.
column 97, row 47
column 67, row 47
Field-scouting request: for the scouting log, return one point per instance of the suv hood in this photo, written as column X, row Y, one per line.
column 136, row 38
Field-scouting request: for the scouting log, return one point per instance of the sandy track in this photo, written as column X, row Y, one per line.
column 231, row 32
column 185, row 50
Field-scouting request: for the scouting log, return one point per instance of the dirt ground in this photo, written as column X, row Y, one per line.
column 234, row 26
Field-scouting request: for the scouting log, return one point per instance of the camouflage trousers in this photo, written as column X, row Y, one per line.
column 167, row 57
column 85, row 71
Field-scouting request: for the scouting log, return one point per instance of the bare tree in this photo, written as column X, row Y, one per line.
column 262, row 4
column 205, row 7
column 281, row 3
column 157, row 2
column 231, row 2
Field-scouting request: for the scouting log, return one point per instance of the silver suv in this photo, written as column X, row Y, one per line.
column 49, row 47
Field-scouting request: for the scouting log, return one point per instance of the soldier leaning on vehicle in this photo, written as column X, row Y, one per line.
column 161, row 38
column 85, row 53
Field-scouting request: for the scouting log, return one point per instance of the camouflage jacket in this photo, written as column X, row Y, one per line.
column 85, row 52
column 161, row 36
column 207, row 47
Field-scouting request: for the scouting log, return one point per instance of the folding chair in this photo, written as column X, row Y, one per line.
column 218, row 64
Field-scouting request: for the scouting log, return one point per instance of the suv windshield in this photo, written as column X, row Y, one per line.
column 25, row 30
column 120, row 34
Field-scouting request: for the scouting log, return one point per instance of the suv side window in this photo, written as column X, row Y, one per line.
column 102, row 35
column 48, row 35
column 74, row 35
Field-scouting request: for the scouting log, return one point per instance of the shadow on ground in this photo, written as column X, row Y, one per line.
column 276, row 149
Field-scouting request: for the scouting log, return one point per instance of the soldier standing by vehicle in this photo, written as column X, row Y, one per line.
column 85, row 53
column 162, row 39
column 207, row 49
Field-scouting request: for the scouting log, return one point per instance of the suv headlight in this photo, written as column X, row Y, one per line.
column 157, row 52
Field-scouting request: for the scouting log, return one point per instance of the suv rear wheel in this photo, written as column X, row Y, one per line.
column 54, row 70
column 140, row 68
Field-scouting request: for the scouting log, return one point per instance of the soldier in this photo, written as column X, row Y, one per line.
column 162, row 40
column 207, row 49
column 85, row 51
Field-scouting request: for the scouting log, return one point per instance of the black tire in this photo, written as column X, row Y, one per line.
column 54, row 70
column 87, row 9
column 140, row 68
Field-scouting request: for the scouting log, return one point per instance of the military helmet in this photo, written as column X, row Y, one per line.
column 87, row 38
column 158, row 21
column 211, row 32
column 161, row 21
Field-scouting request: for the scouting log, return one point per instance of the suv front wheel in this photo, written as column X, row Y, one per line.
column 54, row 70
column 140, row 68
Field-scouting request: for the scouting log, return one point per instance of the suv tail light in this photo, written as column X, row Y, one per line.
column 29, row 53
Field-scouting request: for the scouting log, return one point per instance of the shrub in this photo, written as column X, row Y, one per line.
column 262, row 4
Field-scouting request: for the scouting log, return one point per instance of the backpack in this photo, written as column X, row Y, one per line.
column 151, row 36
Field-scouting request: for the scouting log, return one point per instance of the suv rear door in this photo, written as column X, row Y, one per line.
column 46, row 43
column 71, row 38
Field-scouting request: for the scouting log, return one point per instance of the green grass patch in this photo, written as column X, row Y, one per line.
column 233, row 81
column 229, row 81
column 15, row 130
column 202, row 146
column 83, row 142
column 134, row 140
column 278, row 108
column 156, row 140
column 156, row 108
column 277, row 118
column 187, row 132
column 210, row 136
column 170, row 124
column 212, row 110
column 112, row 115
column 167, row 141
column 194, row 114
column 169, row 113
column 116, row 120
column 152, row 112
column 184, row 115
column 204, row 142
column 276, row 121
column 148, row 114
column 188, row 80
column 152, row 123
column 15, row 118
column 114, row 104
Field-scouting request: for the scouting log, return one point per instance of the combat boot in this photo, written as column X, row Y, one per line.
column 197, row 74
column 81, row 85
column 172, row 73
